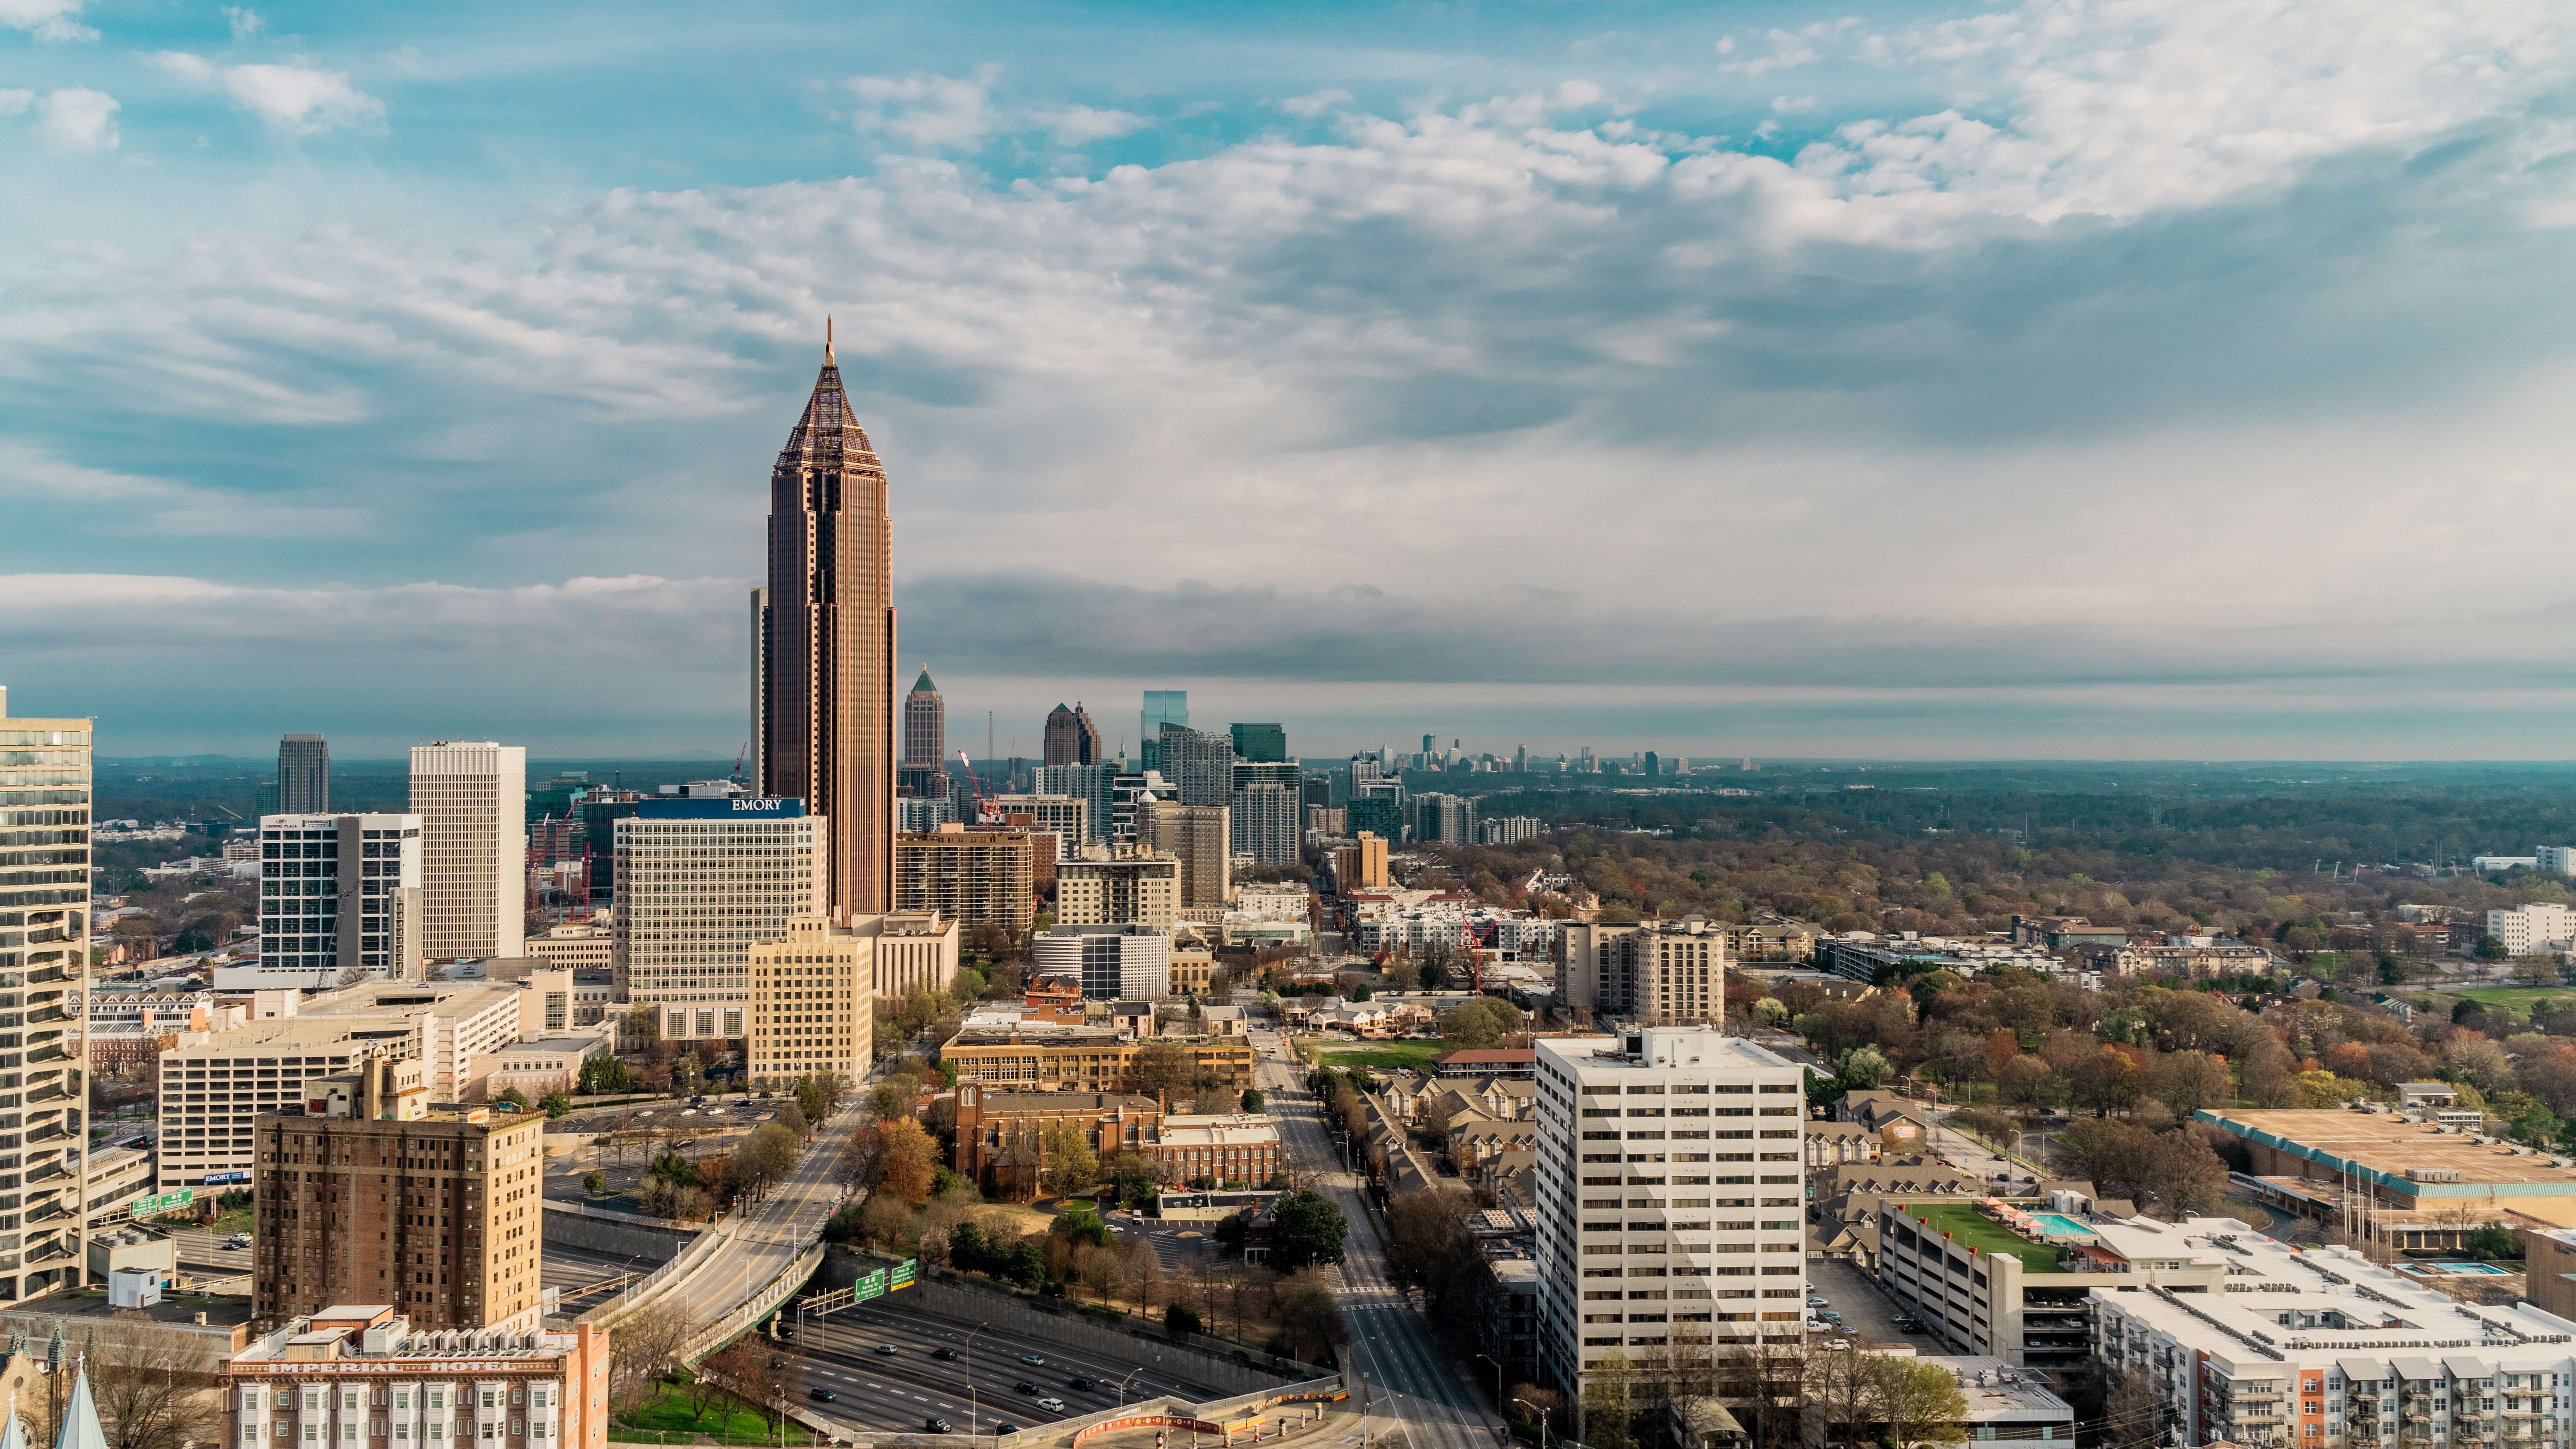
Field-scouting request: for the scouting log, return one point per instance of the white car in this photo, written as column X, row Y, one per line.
column 1818, row 1325
column 1052, row 1406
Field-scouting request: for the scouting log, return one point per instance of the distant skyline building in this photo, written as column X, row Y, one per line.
column 1449, row 819
column 1162, row 707
column 975, row 877
column 1266, row 742
column 1266, row 819
column 1072, row 738
column 925, row 724
column 1201, row 838
column 827, row 645
column 303, row 775
column 1199, row 764
column 1094, row 785
column 472, row 800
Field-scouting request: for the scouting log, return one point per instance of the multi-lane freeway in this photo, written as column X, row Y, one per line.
column 903, row 1389
column 1398, row 1369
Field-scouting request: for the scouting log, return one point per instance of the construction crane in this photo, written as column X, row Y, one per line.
column 739, row 756
column 975, row 788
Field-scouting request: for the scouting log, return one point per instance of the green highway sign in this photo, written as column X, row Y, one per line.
column 870, row 1286
column 146, row 1206
column 900, row 1275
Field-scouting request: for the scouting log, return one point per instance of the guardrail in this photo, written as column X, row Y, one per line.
column 687, row 1261
column 758, row 1306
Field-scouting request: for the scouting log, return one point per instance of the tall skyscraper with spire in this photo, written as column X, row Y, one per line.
column 826, row 643
column 925, row 724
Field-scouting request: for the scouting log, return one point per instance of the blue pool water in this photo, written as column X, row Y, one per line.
column 2059, row 1225
column 2468, row 1267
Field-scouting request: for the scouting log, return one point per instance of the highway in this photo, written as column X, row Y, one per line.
column 1397, row 1368
column 900, row 1390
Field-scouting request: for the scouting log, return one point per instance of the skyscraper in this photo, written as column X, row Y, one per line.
column 45, row 800
column 1200, row 764
column 827, row 717
column 925, row 724
column 1162, row 707
column 1071, row 737
column 339, row 899
column 1266, row 742
column 472, row 800
column 700, row 881
column 303, row 775
column 1199, row 836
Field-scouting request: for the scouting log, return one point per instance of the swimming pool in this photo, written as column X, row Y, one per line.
column 2464, row 1267
column 2058, row 1225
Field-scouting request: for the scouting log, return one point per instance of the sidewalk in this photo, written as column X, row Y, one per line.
column 1294, row 1423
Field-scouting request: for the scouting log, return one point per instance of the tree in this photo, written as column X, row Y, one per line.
column 2490, row 949
column 594, row 1183
column 1253, row 1103
column 649, row 1342
column 1309, row 1318
column 1071, row 1164
column 132, row 1377
column 1920, row 1403
column 1401, row 975
column 1161, row 1068
column 2494, row 1240
column 767, row 1154
column 1610, row 1404
column 2188, row 1081
column 905, row 1162
column 513, row 1097
column 2181, row 1175
column 1305, row 1229
column 556, row 1104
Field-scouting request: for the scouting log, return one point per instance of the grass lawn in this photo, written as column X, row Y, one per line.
column 2516, row 999
column 1386, row 1054
column 1967, row 1226
column 727, row 1421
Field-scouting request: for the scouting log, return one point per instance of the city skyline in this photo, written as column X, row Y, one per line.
column 1909, row 399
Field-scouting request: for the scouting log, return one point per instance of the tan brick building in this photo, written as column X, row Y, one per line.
column 361, row 1375
column 976, row 877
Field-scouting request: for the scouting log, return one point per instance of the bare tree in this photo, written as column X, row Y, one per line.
column 152, row 1392
column 646, row 1345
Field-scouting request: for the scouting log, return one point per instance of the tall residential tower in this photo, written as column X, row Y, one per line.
column 472, row 800
column 45, row 804
column 303, row 775
column 826, row 645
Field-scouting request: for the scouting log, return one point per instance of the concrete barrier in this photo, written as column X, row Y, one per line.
column 952, row 1295
column 595, row 1230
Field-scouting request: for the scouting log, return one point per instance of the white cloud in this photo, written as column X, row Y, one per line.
column 932, row 111
column 1081, row 125
column 46, row 19
column 129, row 505
column 1315, row 104
column 12, row 102
column 245, row 22
column 78, row 119
column 296, row 98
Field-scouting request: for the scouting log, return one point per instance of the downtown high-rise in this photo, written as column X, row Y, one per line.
column 824, row 645
column 45, row 805
column 472, row 800
column 303, row 775
column 1072, row 739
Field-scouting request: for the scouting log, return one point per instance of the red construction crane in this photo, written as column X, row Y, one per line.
column 975, row 789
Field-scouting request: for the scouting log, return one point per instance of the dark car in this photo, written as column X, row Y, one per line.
column 1081, row 1381
column 1024, row 1386
column 887, row 1349
column 1033, row 1358
column 820, row 1392
column 786, row 1331
column 947, row 1353
column 936, row 1426
column 1006, row 1427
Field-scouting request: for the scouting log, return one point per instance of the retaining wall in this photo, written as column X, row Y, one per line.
column 571, row 1226
column 951, row 1295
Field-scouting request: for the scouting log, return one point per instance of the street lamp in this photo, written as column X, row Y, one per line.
column 1122, row 1385
column 974, row 1408
column 1498, row 1379
column 1539, row 1414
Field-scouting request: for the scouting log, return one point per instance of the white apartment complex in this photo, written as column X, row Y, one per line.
column 2534, row 930
column 339, row 900
column 2321, row 1349
column 1653, row 973
column 698, row 882
column 1671, row 1185
column 472, row 800
column 1115, row 963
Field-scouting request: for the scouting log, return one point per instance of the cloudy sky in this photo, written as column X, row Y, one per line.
column 2171, row 378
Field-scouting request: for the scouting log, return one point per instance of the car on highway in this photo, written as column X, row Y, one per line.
column 886, row 1349
column 238, row 1240
column 1024, row 1386
column 1006, row 1427
column 1033, row 1358
column 937, row 1425
column 946, row 1353
column 1052, row 1406
column 1081, row 1381
column 1819, row 1303
column 822, row 1393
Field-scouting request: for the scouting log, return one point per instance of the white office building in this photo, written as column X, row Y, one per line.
column 1671, row 1183
column 2556, row 859
column 45, row 806
column 700, row 881
column 339, row 901
column 2544, row 930
column 472, row 800
column 1116, row 963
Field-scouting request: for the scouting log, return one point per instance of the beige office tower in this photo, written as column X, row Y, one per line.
column 979, row 877
column 472, row 800
column 812, row 1003
column 825, row 640
column 1653, row 973
column 699, row 882
column 45, row 803
column 1119, row 887
column 1201, row 838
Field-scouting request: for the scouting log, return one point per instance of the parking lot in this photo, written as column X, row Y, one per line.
column 1864, row 1308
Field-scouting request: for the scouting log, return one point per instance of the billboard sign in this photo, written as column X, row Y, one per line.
column 144, row 1207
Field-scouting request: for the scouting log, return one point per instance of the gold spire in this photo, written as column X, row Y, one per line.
column 827, row 337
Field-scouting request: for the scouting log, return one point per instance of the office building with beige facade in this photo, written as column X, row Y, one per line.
column 1361, row 865
column 812, row 1003
column 1119, row 886
column 1200, row 837
column 472, row 800
column 362, row 1374
column 1653, row 973
column 698, row 883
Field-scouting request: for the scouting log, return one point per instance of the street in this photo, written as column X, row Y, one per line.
column 1393, row 1364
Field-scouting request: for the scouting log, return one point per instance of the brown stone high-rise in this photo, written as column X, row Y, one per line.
column 826, row 644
